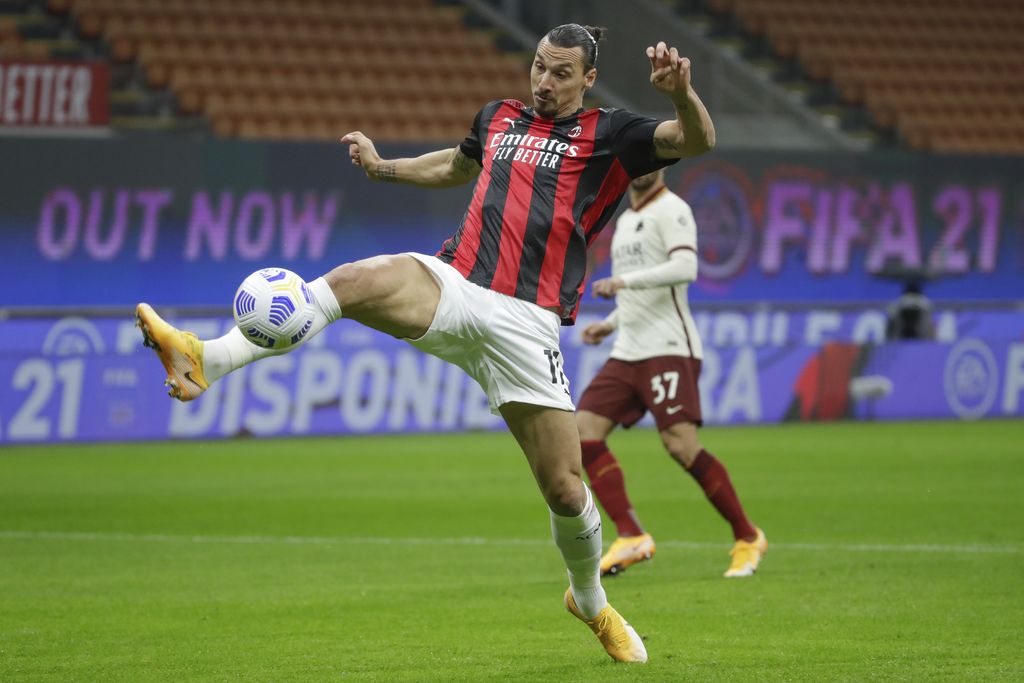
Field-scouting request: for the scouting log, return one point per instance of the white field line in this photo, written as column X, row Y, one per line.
column 972, row 549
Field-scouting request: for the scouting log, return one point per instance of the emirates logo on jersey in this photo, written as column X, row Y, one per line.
column 530, row 149
column 576, row 131
column 527, row 141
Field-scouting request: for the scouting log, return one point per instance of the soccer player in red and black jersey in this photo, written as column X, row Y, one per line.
column 548, row 178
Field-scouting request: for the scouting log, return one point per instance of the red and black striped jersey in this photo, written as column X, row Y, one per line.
column 547, row 188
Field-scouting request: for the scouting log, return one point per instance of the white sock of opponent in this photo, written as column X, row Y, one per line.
column 233, row 350
column 579, row 540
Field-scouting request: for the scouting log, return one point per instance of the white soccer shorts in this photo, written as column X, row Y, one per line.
column 509, row 346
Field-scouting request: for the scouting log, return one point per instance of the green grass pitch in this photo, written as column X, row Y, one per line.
column 896, row 554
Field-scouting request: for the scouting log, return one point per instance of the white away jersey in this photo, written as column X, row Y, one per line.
column 656, row 321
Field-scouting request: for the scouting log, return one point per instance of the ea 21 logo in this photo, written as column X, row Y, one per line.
column 970, row 379
column 48, row 390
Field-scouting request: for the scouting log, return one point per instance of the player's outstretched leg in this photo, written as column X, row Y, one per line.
column 193, row 364
column 395, row 294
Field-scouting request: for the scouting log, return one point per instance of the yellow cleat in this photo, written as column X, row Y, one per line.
column 620, row 640
column 625, row 552
column 746, row 555
column 181, row 353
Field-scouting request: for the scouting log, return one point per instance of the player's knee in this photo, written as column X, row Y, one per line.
column 683, row 452
column 592, row 427
column 344, row 281
column 358, row 282
column 564, row 495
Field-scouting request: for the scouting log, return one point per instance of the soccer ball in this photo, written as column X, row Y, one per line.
column 273, row 308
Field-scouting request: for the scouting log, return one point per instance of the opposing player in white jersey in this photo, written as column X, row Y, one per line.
column 654, row 366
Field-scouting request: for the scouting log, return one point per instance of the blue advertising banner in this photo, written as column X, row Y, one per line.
column 80, row 379
column 182, row 222
column 111, row 223
column 835, row 227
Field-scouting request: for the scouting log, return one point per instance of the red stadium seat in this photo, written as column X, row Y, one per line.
column 309, row 69
column 904, row 59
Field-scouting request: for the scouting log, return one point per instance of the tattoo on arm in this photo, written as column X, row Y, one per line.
column 386, row 172
column 667, row 145
column 463, row 165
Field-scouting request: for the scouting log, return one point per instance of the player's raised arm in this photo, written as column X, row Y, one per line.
column 443, row 168
column 692, row 132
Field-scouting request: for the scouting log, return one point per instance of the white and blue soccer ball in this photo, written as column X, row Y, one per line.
column 274, row 308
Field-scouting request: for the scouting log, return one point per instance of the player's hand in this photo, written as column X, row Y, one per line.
column 607, row 287
column 670, row 73
column 594, row 333
column 362, row 152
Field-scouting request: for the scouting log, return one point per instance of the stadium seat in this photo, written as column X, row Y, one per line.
column 307, row 69
column 903, row 59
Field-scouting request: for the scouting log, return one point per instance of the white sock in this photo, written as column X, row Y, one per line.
column 233, row 350
column 579, row 540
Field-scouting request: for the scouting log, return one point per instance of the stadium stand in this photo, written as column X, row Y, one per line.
column 44, row 30
column 943, row 75
column 306, row 69
column 26, row 32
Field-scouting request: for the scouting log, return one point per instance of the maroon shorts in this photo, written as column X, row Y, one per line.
column 623, row 391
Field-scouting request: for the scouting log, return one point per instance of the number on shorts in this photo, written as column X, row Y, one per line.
column 555, row 366
column 658, row 386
